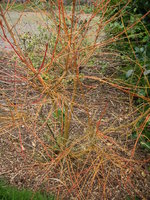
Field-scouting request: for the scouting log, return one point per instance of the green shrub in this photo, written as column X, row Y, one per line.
column 136, row 43
column 11, row 193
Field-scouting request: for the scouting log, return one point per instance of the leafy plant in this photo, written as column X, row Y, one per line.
column 8, row 192
column 136, row 43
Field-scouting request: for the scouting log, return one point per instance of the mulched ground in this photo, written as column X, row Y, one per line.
column 105, row 171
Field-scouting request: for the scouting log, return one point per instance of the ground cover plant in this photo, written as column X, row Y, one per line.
column 67, row 121
column 8, row 193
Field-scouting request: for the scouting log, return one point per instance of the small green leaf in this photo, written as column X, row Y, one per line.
column 129, row 73
column 145, row 144
column 137, row 49
column 146, row 72
column 142, row 49
column 134, row 135
column 145, row 39
column 59, row 112
column 142, row 92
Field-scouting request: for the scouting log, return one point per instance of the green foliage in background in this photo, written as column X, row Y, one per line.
column 136, row 43
column 11, row 193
